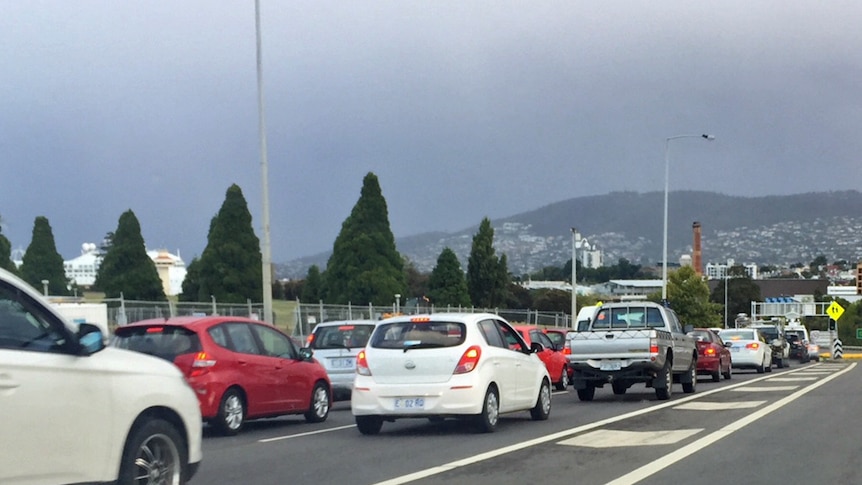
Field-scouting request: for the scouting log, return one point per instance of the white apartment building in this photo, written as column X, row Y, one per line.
column 718, row 271
column 84, row 268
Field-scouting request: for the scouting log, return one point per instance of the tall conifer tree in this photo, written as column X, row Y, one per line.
column 42, row 261
column 485, row 280
column 126, row 267
column 447, row 285
column 230, row 268
column 365, row 266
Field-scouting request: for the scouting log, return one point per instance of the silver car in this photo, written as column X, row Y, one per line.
column 335, row 346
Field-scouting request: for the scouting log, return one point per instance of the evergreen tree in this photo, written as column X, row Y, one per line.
column 417, row 282
column 230, row 268
column 447, row 285
column 6, row 252
column 126, row 268
column 365, row 267
column 43, row 262
column 688, row 294
column 312, row 288
column 486, row 273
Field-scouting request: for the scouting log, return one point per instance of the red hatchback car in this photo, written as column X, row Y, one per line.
column 554, row 359
column 713, row 356
column 239, row 368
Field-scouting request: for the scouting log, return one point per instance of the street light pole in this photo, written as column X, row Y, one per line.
column 666, row 183
column 266, row 249
column 576, row 236
column 725, row 297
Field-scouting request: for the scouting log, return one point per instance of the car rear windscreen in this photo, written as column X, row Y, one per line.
column 341, row 336
column 424, row 334
column 166, row 342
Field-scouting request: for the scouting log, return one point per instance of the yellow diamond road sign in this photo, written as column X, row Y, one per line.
column 835, row 311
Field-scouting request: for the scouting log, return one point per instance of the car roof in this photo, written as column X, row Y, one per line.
column 444, row 316
column 339, row 323
column 193, row 322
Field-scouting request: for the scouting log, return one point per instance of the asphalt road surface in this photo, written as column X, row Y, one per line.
column 794, row 425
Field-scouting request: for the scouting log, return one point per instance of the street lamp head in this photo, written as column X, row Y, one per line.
column 708, row 137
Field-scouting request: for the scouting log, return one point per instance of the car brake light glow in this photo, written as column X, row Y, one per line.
column 155, row 329
column 346, row 327
column 567, row 351
column 653, row 346
column 753, row 346
column 420, row 319
column 201, row 364
column 309, row 340
column 362, row 364
column 709, row 351
column 469, row 360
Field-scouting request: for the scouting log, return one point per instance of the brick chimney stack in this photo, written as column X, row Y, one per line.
column 696, row 257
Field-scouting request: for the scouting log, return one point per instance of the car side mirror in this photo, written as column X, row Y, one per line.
column 583, row 325
column 306, row 353
column 536, row 347
column 90, row 338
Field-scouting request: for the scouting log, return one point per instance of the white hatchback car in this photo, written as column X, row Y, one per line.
column 77, row 412
column 748, row 349
column 463, row 365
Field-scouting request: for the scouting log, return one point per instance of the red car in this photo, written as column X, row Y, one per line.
column 239, row 368
column 713, row 356
column 552, row 355
column 558, row 337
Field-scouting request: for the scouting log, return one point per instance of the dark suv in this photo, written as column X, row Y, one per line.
column 774, row 335
column 798, row 347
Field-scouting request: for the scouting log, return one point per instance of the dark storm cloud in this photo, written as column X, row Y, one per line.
column 462, row 109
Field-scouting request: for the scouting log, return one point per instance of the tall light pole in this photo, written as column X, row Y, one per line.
column 576, row 236
column 725, row 296
column 266, row 250
column 666, row 177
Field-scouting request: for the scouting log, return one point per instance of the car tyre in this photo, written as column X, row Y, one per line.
column 319, row 408
column 729, row 373
column 587, row 393
column 664, row 378
column 486, row 421
column 564, row 380
column 231, row 413
column 690, row 386
column 154, row 453
column 369, row 425
column 542, row 409
column 716, row 376
column 780, row 363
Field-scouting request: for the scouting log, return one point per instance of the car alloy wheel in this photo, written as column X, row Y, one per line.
column 542, row 409
column 154, row 455
column 564, row 380
column 231, row 413
column 319, row 409
column 690, row 387
column 486, row 421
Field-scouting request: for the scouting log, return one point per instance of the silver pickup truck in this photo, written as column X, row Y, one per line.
column 632, row 342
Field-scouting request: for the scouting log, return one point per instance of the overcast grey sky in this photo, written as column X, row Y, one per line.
column 463, row 109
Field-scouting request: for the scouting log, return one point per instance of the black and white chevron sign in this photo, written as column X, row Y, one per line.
column 837, row 349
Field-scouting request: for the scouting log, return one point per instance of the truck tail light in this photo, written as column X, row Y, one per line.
column 653, row 346
column 362, row 364
column 469, row 360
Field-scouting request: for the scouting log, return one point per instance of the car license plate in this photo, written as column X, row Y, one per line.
column 342, row 363
column 415, row 403
column 611, row 366
column 735, row 349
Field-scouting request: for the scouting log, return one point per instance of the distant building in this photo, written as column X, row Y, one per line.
column 718, row 271
column 590, row 255
column 83, row 269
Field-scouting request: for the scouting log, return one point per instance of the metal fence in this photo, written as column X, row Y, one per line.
column 304, row 316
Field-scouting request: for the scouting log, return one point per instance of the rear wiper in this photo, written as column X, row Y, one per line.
column 420, row 345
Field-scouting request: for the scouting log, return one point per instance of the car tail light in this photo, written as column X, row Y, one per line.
column 567, row 350
column 753, row 346
column 469, row 360
column 709, row 351
column 653, row 346
column 201, row 364
column 362, row 364
column 309, row 340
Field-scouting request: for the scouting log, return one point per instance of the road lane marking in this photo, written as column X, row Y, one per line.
column 765, row 388
column 614, row 438
column 791, row 379
column 719, row 406
column 300, row 435
column 684, row 452
column 436, row 470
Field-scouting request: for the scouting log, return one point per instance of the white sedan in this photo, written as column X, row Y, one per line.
column 749, row 349
column 460, row 365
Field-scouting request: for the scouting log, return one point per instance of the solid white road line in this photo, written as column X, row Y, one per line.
column 671, row 458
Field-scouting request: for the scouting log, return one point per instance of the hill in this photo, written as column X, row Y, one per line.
column 773, row 230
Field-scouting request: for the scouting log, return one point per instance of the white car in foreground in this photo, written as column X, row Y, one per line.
column 74, row 411
column 749, row 349
column 459, row 365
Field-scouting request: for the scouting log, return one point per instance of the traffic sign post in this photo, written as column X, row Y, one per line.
column 835, row 311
